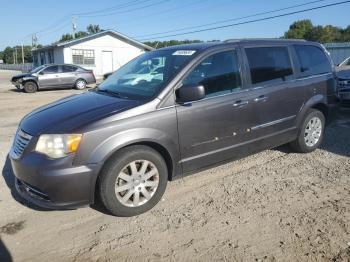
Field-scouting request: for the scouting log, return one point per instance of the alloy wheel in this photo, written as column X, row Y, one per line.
column 137, row 183
column 313, row 131
column 81, row 84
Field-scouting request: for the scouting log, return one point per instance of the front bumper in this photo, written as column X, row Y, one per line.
column 344, row 94
column 54, row 184
column 17, row 84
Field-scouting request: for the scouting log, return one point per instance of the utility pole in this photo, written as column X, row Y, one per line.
column 74, row 25
column 22, row 54
column 16, row 54
column 34, row 40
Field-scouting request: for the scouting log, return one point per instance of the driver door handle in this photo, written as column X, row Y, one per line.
column 261, row 98
column 240, row 103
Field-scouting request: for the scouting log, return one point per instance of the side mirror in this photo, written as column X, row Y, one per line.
column 189, row 93
column 42, row 73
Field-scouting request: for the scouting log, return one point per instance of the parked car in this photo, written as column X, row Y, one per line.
column 343, row 75
column 122, row 142
column 54, row 76
column 106, row 75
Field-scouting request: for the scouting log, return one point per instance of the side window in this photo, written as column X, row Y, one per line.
column 218, row 73
column 269, row 64
column 51, row 70
column 68, row 68
column 312, row 60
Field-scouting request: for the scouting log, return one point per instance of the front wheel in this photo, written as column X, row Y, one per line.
column 30, row 87
column 133, row 181
column 80, row 84
column 311, row 132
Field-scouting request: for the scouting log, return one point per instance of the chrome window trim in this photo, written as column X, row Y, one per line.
column 218, row 96
column 313, row 76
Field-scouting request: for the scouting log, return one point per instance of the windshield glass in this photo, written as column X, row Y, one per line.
column 145, row 76
column 37, row 69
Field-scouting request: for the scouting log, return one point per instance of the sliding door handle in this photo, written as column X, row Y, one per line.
column 240, row 103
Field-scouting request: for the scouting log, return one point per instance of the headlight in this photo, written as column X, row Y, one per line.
column 56, row 146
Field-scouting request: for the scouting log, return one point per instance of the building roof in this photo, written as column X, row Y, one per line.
column 93, row 36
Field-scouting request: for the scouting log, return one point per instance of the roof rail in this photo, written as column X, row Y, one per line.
column 261, row 39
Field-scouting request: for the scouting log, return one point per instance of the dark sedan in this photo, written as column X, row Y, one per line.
column 53, row 76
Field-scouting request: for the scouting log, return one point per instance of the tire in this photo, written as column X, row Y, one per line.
column 314, row 125
column 30, row 87
column 118, row 186
column 80, row 84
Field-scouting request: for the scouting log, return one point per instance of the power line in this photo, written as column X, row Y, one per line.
column 127, row 4
column 250, row 21
column 162, row 12
column 128, row 10
column 68, row 23
column 62, row 20
column 232, row 19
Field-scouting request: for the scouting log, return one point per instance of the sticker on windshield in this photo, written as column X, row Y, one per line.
column 184, row 52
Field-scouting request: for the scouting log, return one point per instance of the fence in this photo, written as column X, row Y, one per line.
column 339, row 51
column 17, row 67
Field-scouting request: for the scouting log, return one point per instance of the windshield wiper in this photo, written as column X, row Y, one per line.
column 110, row 92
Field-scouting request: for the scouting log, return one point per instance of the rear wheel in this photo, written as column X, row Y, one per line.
column 80, row 84
column 133, row 181
column 30, row 87
column 311, row 132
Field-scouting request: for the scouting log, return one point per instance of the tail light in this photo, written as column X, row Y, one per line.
column 92, row 72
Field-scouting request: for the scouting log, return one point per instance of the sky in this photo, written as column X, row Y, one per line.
column 141, row 18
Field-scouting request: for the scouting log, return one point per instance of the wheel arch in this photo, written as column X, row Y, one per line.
column 31, row 80
column 158, row 141
column 318, row 102
column 151, row 144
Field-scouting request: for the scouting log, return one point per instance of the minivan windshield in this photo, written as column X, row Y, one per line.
column 37, row 69
column 145, row 76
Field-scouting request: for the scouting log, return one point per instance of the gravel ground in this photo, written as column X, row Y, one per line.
column 272, row 206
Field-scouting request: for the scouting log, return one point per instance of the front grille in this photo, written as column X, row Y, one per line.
column 19, row 144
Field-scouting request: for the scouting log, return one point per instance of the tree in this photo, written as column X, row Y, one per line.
column 80, row 34
column 327, row 34
column 299, row 29
column 93, row 29
column 66, row 37
column 8, row 55
column 345, row 34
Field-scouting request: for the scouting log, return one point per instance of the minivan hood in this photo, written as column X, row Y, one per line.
column 72, row 113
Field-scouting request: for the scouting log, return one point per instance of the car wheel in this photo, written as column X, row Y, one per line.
column 311, row 132
column 30, row 87
column 80, row 84
column 133, row 181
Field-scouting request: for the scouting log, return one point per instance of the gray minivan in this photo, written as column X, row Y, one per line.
column 150, row 122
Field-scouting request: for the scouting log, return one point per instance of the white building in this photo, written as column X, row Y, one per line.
column 102, row 52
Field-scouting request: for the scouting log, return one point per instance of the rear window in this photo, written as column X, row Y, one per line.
column 312, row 60
column 269, row 64
column 68, row 68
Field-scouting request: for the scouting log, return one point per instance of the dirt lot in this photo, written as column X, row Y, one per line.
column 273, row 206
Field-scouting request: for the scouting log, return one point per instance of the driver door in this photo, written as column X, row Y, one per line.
column 211, row 129
column 49, row 77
